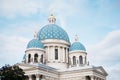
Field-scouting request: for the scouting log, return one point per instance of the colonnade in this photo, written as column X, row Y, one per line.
column 62, row 54
column 39, row 77
column 31, row 58
column 76, row 61
column 96, row 78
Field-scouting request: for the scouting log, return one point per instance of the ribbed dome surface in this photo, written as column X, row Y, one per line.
column 77, row 46
column 52, row 31
column 35, row 43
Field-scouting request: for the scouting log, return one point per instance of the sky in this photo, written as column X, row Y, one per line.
column 96, row 22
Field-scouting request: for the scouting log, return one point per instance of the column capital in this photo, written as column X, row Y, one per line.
column 29, row 75
column 37, row 75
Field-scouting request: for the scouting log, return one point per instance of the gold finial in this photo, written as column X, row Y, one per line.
column 35, row 34
column 51, row 18
column 76, row 37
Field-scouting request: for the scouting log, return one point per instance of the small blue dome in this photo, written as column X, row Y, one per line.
column 77, row 46
column 35, row 43
column 52, row 31
column 24, row 57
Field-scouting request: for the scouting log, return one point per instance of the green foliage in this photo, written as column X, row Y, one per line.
column 8, row 72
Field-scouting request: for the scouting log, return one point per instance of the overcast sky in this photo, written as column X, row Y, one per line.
column 96, row 22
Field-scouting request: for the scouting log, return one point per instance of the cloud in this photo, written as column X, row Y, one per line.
column 64, row 9
column 108, row 48
column 12, row 8
column 12, row 49
column 107, row 53
column 114, row 72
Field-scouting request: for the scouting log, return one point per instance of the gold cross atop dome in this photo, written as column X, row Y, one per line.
column 76, row 38
column 51, row 19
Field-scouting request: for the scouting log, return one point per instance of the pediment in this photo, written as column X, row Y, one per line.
column 101, row 70
column 25, row 66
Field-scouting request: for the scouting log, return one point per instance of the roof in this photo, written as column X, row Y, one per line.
column 34, row 43
column 53, row 31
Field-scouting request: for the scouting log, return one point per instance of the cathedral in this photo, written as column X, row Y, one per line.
column 51, row 56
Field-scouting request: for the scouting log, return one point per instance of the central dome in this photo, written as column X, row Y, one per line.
column 53, row 31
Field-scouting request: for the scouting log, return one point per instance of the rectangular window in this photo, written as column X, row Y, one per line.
column 56, row 54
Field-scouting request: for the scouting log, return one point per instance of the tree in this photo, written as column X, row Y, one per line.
column 8, row 72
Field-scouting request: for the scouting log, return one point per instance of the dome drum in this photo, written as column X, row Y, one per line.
column 34, row 49
column 55, row 41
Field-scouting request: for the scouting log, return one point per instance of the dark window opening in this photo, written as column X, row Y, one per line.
column 36, row 58
column 81, row 59
column 41, row 58
column 29, row 57
column 56, row 54
column 74, row 60
column 88, row 78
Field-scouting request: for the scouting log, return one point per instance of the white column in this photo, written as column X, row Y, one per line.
column 77, row 61
column 48, row 53
column 30, row 77
column 50, row 50
column 44, row 57
column 26, row 58
column 38, row 58
column 32, row 58
column 59, row 54
column 37, row 76
column 63, row 54
column 92, row 77
column 61, row 57
column 45, row 54
column 53, row 53
column 83, row 60
column 71, row 60
column 66, row 55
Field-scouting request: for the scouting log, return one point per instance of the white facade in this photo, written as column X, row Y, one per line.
column 53, row 57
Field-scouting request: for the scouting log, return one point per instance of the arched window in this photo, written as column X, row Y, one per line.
column 33, row 77
column 26, row 78
column 87, row 78
column 74, row 60
column 56, row 54
column 81, row 59
column 36, row 58
column 41, row 58
column 29, row 57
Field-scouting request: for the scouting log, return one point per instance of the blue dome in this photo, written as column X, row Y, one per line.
column 77, row 46
column 52, row 31
column 24, row 57
column 35, row 43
